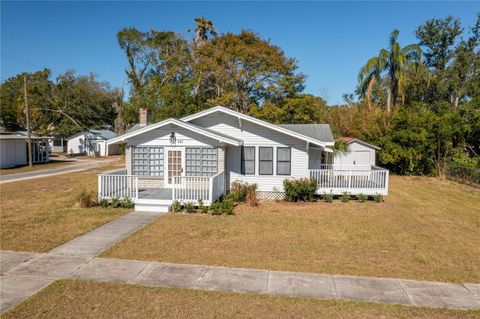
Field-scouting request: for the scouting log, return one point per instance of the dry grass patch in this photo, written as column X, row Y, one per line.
column 40, row 214
column 36, row 167
column 82, row 299
column 426, row 229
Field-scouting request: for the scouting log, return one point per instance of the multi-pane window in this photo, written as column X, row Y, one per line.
column 201, row 161
column 284, row 161
column 266, row 160
column 147, row 161
column 248, row 160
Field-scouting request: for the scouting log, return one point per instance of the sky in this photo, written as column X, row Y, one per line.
column 330, row 40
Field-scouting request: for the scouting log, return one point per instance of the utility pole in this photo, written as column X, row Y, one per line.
column 29, row 140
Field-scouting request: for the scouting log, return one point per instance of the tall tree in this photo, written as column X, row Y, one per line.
column 392, row 62
column 202, row 30
column 437, row 37
column 242, row 70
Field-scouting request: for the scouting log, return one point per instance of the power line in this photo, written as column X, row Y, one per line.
column 21, row 61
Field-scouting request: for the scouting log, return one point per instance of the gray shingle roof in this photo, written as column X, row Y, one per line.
column 321, row 132
column 104, row 134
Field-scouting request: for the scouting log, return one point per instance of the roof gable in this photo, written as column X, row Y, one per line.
column 274, row 127
column 189, row 126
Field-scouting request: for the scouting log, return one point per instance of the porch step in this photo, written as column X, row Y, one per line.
column 153, row 205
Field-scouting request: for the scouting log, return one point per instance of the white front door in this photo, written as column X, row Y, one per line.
column 174, row 165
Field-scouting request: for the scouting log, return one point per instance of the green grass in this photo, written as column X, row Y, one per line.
column 83, row 299
column 427, row 229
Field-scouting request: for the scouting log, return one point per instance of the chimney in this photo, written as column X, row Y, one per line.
column 145, row 116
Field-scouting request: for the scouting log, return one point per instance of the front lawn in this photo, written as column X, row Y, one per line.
column 83, row 299
column 40, row 214
column 427, row 228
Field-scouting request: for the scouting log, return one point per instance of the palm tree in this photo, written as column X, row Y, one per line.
column 203, row 28
column 391, row 63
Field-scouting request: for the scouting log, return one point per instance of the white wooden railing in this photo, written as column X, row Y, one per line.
column 116, row 185
column 193, row 188
column 352, row 180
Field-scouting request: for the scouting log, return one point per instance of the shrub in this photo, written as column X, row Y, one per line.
column 345, row 198
column 127, row 203
column 189, row 207
column 238, row 192
column 328, row 198
column 377, row 198
column 222, row 207
column 85, row 198
column 202, row 207
column 117, row 202
column 176, row 206
column 302, row 189
column 362, row 198
column 104, row 203
column 252, row 194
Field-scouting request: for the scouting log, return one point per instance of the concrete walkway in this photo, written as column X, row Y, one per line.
column 75, row 166
column 24, row 274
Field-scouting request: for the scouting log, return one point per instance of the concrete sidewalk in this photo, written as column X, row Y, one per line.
column 76, row 166
column 24, row 274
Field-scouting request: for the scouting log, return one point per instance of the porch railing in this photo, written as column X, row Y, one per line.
column 193, row 188
column 116, row 185
column 337, row 180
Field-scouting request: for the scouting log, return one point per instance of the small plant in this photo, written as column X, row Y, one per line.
column 345, row 198
column 85, row 198
column 377, row 198
column 189, row 207
column 302, row 189
column 202, row 207
column 104, row 202
column 328, row 198
column 362, row 198
column 127, row 203
column 223, row 207
column 238, row 192
column 117, row 202
column 176, row 206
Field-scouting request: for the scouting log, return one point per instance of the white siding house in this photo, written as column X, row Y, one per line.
column 199, row 156
column 359, row 153
column 13, row 150
column 92, row 143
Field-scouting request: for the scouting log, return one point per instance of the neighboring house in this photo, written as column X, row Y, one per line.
column 58, row 145
column 199, row 156
column 92, row 143
column 13, row 150
column 359, row 153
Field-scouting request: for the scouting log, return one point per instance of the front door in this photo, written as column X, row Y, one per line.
column 174, row 166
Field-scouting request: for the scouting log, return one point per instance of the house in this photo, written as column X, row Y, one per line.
column 13, row 150
column 359, row 153
column 92, row 143
column 57, row 145
column 199, row 156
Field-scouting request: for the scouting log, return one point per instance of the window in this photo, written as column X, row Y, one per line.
column 284, row 161
column 266, row 161
column 147, row 161
column 201, row 161
column 248, row 160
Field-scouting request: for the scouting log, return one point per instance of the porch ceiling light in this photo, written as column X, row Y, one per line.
column 173, row 139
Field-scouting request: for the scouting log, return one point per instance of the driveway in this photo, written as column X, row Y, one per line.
column 77, row 165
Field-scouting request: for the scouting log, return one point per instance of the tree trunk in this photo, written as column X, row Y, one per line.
column 369, row 91
column 389, row 100
column 457, row 100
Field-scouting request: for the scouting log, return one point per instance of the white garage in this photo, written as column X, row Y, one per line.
column 92, row 143
column 360, row 153
column 13, row 150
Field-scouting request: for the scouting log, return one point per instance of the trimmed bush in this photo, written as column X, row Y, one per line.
column 176, row 206
column 362, row 198
column 377, row 198
column 104, row 203
column 328, row 198
column 345, row 198
column 302, row 189
column 224, row 207
column 202, row 207
column 189, row 207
